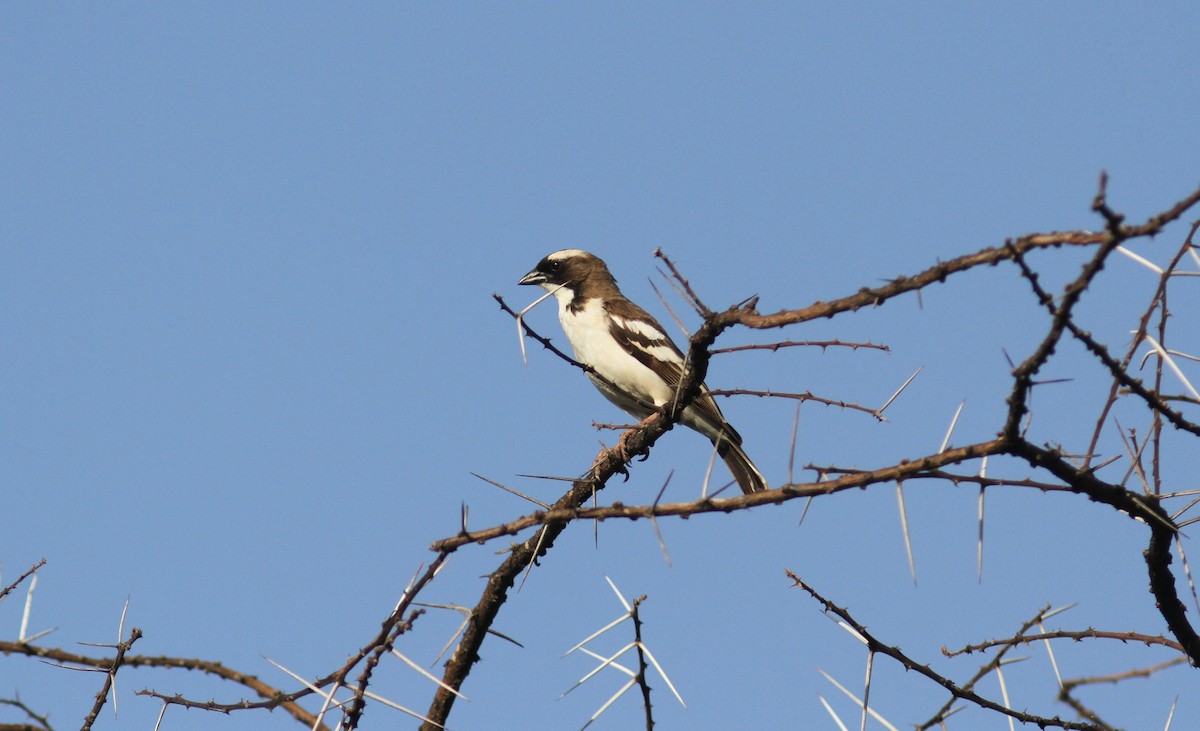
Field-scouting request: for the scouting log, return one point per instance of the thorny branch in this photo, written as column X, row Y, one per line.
column 274, row 698
column 636, row 442
column 642, row 680
column 992, row 665
column 1120, row 370
column 102, row 695
column 20, row 579
column 547, row 525
column 1024, row 639
column 1069, row 686
column 278, row 699
column 1011, row 440
column 41, row 719
column 963, row 692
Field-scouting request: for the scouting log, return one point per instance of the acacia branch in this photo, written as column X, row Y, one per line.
column 874, row 645
column 858, row 480
column 802, row 397
column 277, row 698
column 822, row 344
column 109, row 677
column 638, row 440
column 274, row 697
column 1090, row 634
column 1157, row 301
column 29, row 572
column 635, row 442
column 641, row 678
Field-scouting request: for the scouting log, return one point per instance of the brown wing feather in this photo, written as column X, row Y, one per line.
column 636, row 344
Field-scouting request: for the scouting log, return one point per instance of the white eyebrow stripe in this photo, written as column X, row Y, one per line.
column 565, row 254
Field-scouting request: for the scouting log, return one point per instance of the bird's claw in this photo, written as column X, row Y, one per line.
column 621, row 466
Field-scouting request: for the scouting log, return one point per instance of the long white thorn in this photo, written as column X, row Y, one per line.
column 28, row 609
column 426, row 673
column 605, row 662
column 912, row 563
column 1004, row 695
column 1171, row 715
column 617, row 591
column 597, row 633
column 1050, row 652
column 522, row 313
column 879, row 412
column 609, row 702
column 400, row 708
column 663, row 673
column 830, row 711
column 862, row 725
column 950, row 429
column 163, row 712
column 979, row 549
column 1144, row 262
column 611, row 663
column 1166, row 357
column 875, row 715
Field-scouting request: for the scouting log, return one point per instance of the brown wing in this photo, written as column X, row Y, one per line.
column 642, row 337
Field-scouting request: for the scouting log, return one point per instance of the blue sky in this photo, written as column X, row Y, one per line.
column 250, row 353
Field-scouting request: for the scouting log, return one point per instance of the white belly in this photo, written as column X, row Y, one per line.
column 593, row 343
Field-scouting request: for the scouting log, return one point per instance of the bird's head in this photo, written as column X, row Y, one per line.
column 570, row 272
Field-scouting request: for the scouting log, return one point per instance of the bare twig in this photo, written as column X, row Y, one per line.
column 8, row 589
column 109, row 677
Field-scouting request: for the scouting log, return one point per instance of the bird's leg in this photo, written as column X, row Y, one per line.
column 623, row 441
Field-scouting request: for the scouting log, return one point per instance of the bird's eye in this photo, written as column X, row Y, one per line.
column 553, row 266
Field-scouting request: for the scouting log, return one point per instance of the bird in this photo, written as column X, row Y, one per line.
column 631, row 359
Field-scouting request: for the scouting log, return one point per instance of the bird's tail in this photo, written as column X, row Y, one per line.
column 747, row 475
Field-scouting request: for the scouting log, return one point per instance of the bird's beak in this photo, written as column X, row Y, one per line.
column 534, row 277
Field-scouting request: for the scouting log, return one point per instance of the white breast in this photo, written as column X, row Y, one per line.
column 588, row 331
